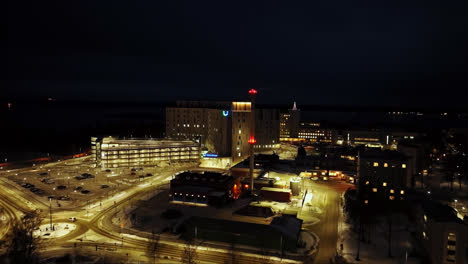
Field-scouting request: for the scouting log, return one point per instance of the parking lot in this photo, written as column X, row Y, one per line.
column 72, row 183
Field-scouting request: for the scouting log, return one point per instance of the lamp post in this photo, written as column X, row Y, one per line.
column 50, row 213
column 252, row 140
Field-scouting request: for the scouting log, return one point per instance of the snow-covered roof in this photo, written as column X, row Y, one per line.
column 289, row 226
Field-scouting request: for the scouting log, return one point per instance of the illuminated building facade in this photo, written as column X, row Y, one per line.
column 284, row 125
column 204, row 188
column 223, row 128
column 110, row 152
column 267, row 129
column 211, row 126
column 368, row 138
column 442, row 232
column 289, row 123
column 385, row 173
column 312, row 132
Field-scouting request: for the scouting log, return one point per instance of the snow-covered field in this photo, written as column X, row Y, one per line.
column 376, row 250
column 60, row 230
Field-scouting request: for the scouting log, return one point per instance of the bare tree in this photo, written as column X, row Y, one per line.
column 189, row 254
column 24, row 245
column 153, row 246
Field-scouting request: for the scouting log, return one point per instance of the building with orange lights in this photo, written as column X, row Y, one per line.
column 113, row 152
column 289, row 123
column 223, row 128
column 204, row 188
column 384, row 174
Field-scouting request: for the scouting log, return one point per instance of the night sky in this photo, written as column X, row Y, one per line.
column 316, row 52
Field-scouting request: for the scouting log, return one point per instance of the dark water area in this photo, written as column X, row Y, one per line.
column 33, row 129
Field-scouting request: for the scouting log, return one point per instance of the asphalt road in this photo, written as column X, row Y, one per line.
column 95, row 220
column 327, row 228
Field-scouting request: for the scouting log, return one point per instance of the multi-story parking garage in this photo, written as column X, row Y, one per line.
column 110, row 152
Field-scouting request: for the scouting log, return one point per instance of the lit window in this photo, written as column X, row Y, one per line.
column 424, row 234
column 425, row 218
column 392, row 191
column 402, row 192
column 384, row 184
column 376, row 164
column 367, row 182
column 374, row 189
column 385, row 165
column 403, row 166
column 366, row 201
column 391, row 197
column 239, row 154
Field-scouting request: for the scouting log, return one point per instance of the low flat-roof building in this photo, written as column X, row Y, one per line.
column 204, row 188
column 283, row 233
column 112, row 152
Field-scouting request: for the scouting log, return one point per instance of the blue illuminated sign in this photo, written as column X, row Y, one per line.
column 225, row 113
column 210, row 155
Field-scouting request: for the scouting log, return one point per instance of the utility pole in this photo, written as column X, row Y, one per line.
column 50, row 213
column 252, row 140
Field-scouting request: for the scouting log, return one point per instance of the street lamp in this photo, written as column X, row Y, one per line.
column 50, row 212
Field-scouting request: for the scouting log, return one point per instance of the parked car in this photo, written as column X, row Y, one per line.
column 43, row 173
column 79, row 177
column 85, row 191
column 77, row 188
column 27, row 185
column 73, row 219
column 149, row 174
column 104, row 186
column 61, row 187
column 49, row 181
column 64, row 198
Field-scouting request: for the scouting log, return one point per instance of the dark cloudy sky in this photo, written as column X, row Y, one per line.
column 317, row 52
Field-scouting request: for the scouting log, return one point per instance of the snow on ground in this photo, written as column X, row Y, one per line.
column 60, row 230
column 376, row 251
column 310, row 239
column 287, row 152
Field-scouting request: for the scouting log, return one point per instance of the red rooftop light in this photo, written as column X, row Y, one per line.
column 252, row 91
column 252, row 141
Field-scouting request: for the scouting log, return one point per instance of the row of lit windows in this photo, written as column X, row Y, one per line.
column 146, row 156
column 384, row 184
column 311, row 134
column 113, row 153
column 149, row 160
column 108, row 152
column 267, row 146
column 376, row 164
column 366, row 139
